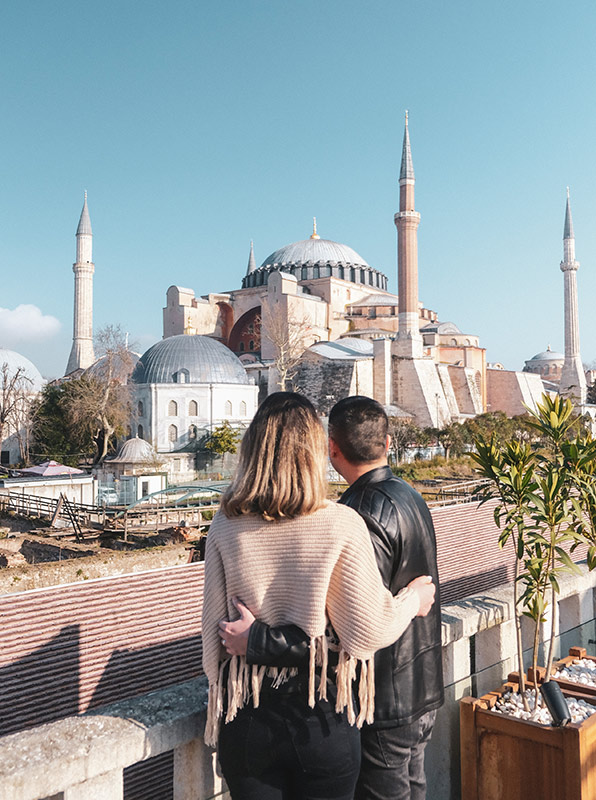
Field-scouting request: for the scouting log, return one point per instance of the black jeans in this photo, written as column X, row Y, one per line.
column 393, row 761
column 284, row 750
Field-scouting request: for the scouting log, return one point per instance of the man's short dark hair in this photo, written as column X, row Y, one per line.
column 358, row 425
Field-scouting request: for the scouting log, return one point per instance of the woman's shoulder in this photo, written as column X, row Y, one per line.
column 341, row 515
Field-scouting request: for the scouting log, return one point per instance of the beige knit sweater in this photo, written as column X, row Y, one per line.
column 305, row 571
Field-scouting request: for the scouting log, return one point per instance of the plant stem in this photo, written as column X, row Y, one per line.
column 518, row 632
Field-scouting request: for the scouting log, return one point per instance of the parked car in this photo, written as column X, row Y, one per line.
column 107, row 497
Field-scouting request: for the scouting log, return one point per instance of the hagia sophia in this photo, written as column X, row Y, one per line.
column 320, row 299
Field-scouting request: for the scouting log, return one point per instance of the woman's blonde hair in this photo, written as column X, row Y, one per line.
column 282, row 464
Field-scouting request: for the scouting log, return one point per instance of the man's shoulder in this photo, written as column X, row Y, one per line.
column 384, row 485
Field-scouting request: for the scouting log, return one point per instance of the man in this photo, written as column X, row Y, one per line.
column 408, row 674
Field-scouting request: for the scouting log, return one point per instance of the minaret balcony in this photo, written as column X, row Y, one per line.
column 407, row 215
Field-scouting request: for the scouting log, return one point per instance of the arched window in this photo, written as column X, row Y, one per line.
column 140, row 408
column 251, row 345
column 192, row 432
column 193, row 409
column 172, row 408
column 228, row 408
column 172, row 433
column 242, row 408
column 182, row 376
column 454, row 342
column 140, row 432
column 241, row 347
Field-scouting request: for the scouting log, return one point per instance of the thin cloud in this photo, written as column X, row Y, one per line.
column 26, row 323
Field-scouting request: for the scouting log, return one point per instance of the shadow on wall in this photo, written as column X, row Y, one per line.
column 129, row 673
column 42, row 686
column 467, row 585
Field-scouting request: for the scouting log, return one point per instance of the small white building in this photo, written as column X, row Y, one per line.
column 184, row 387
column 20, row 383
column 134, row 473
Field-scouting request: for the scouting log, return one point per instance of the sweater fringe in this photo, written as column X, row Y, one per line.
column 245, row 682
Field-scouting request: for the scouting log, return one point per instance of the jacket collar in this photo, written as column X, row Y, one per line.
column 372, row 476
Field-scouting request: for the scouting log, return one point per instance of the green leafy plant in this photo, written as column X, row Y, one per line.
column 546, row 506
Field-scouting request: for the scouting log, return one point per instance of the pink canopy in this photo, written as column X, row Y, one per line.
column 50, row 468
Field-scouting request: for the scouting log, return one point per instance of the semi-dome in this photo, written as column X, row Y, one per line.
column 314, row 251
column 16, row 361
column 189, row 359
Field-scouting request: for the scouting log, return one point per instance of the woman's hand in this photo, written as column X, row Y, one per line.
column 234, row 635
column 426, row 590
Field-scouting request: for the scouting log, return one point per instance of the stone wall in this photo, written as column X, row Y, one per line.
column 103, row 564
column 320, row 378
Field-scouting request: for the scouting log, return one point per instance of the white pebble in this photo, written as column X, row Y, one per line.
column 511, row 704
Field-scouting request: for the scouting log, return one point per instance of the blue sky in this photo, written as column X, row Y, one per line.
column 198, row 126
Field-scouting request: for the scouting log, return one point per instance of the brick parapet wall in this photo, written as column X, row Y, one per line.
column 87, row 756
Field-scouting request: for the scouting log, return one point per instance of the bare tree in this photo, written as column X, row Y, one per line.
column 15, row 391
column 289, row 335
column 101, row 399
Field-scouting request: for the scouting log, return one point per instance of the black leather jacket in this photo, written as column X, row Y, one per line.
column 408, row 673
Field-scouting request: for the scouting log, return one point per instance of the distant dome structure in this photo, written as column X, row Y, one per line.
column 183, row 388
column 135, row 451
column 16, row 361
column 189, row 359
column 314, row 258
column 548, row 363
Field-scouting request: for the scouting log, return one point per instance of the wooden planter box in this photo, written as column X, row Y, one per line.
column 503, row 758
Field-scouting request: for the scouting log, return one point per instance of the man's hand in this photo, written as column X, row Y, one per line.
column 426, row 590
column 234, row 635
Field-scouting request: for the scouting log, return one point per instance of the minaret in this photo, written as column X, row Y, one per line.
column 81, row 355
column 573, row 379
column 409, row 340
column 252, row 264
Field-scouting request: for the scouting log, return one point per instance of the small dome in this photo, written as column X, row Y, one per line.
column 548, row 355
column 30, row 371
column 313, row 251
column 189, row 359
column 135, row 451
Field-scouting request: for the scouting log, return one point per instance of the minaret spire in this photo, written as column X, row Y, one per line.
column 252, row 264
column 573, row 379
column 81, row 354
column 407, row 167
column 314, row 234
column 409, row 340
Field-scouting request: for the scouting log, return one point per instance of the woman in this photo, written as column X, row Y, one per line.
column 293, row 557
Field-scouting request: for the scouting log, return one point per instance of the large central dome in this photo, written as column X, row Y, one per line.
column 315, row 258
column 314, row 251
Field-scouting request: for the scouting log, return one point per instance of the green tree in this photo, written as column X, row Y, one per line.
column 453, row 439
column 224, row 439
column 55, row 436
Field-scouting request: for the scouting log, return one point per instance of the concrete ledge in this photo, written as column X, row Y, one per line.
column 52, row 758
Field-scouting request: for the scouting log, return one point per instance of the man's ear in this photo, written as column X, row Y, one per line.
column 387, row 444
column 333, row 448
